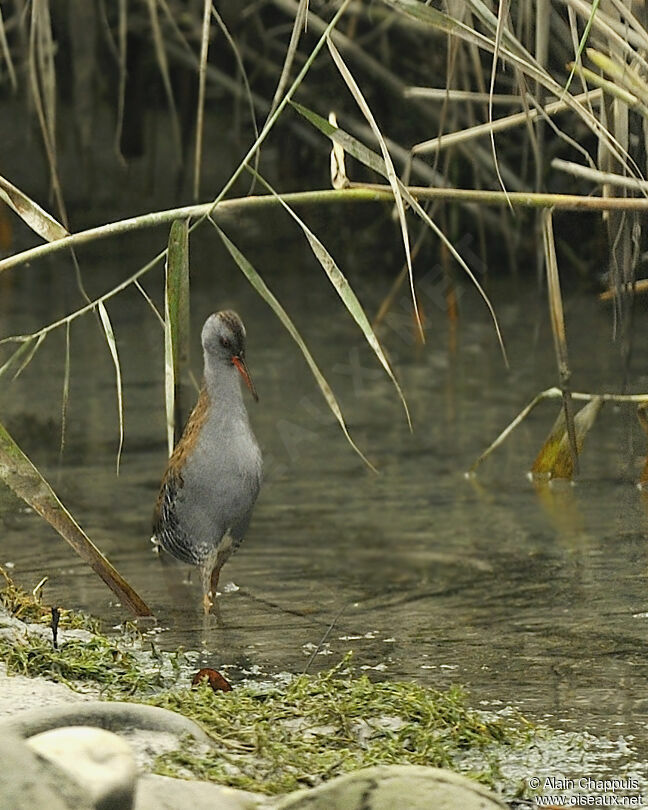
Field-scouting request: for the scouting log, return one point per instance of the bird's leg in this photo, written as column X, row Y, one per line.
column 206, row 578
column 210, row 574
column 215, row 575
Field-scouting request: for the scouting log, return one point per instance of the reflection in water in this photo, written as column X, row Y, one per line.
column 561, row 507
column 531, row 595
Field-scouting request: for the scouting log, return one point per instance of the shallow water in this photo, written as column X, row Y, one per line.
column 534, row 596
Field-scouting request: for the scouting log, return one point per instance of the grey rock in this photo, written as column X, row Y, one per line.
column 114, row 716
column 7, row 621
column 29, row 782
column 164, row 793
column 395, row 787
column 19, row 693
column 149, row 745
column 13, row 629
column 100, row 762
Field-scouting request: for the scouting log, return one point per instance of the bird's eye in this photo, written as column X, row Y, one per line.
column 225, row 343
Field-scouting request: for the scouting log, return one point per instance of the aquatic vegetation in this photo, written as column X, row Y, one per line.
column 97, row 660
column 116, row 665
column 321, row 726
column 20, row 475
column 279, row 735
column 279, row 739
column 274, row 740
column 28, row 607
column 268, row 738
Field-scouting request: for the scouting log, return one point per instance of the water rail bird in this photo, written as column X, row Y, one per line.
column 214, row 473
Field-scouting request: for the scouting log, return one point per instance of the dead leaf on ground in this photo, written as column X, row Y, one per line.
column 213, row 678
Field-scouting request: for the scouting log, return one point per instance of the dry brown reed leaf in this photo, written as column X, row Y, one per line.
column 66, row 391
column 163, row 67
column 556, row 458
column 25, row 480
column 500, row 124
column 640, row 287
column 515, row 54
column 122, row 45
column 30, row 212
column 542, row 28
column 543, row 466
column 361, row 56
column 42, row 79
column 339, row 177
column 389, row 167
column 502, row 15
column 609, row 178
column 176, row 327
column 298, row 26
column 112, row 347
column 555, row 435
column 346, row 293
column 620, row 225
column 200, row 108
column 558, row 329
column 6, row 54
column 462, row 96
column 621, row 72
column 261, row 287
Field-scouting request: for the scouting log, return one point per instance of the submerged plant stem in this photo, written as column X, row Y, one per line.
column 552, row 393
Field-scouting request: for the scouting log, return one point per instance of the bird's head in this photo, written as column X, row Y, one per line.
column 223, row 340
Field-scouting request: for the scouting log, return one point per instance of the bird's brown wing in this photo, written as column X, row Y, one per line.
column 167, row 528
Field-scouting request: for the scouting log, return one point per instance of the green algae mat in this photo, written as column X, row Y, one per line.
column 268, row 738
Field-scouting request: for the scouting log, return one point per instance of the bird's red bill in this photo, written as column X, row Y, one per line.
column 242, row 369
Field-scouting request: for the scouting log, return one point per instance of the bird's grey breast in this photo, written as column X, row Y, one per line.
column 225, row 470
